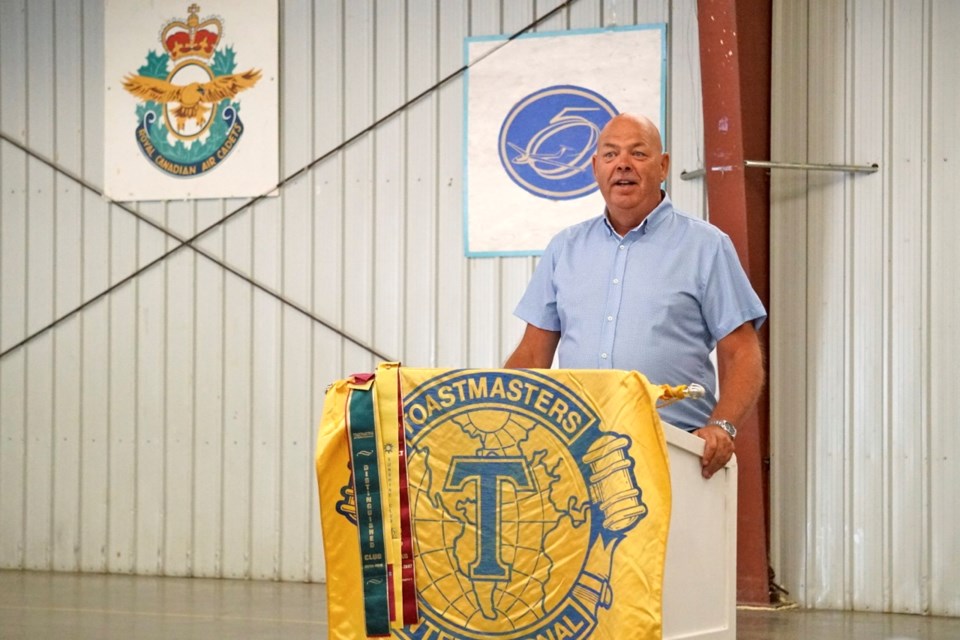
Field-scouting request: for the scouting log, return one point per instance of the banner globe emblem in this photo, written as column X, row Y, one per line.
column 548, row 139
column 518, row 502
column 188, row 120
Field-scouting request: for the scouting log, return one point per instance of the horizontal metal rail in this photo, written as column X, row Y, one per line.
column 690, row 175
column 803, row 166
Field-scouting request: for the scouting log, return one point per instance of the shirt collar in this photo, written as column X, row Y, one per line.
column 653, row 220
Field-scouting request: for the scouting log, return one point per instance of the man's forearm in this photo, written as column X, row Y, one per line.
column 741, row 380
column 535, row 350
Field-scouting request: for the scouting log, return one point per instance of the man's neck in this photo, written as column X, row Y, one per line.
column 623, row 222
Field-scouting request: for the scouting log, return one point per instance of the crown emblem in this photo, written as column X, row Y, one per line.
column 191, row 38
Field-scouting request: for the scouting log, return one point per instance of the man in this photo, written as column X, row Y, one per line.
column 646, row 288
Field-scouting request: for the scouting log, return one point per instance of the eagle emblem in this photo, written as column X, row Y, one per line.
column 191, row 100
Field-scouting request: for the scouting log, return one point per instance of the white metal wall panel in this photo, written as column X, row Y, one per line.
column 296, row 383
column 69, row 260
column 909, row 221
column 39, row 286
column 944, row 348
column 417, row 237
column 450, row 315
column 238, row 393
column 863, row 304
column 866, row 311
column 826, row 235
column 208, row 447
column 94, row 424
column 787, row 369
column 13, row 231
column 168, row 428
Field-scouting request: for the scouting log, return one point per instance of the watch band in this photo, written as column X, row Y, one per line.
column 727, row 426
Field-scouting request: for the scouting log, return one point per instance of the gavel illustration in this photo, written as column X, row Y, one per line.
column 617, row 499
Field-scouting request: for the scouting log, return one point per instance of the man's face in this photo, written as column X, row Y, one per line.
column 629, row 166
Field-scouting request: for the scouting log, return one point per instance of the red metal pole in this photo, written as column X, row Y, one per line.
column 735, row 74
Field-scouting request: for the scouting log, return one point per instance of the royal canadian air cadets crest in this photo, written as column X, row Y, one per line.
column 188, row 118
column 519, row 497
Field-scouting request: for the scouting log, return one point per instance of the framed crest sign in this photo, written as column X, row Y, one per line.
column 191, row 108
column 534, row 109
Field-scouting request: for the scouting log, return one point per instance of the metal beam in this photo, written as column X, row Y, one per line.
column 735, row 76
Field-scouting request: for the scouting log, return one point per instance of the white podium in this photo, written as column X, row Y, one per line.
column 700, row 575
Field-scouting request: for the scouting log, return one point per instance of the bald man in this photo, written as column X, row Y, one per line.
column 645, row 287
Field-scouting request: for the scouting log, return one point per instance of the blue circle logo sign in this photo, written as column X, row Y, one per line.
column 548, row 139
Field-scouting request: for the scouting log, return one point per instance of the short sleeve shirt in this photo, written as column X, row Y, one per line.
column 656, row 301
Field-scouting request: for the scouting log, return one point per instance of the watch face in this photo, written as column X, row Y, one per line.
column 727, row 426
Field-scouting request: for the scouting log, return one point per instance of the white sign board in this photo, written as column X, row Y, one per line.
column 191, row 99
column 534, row 107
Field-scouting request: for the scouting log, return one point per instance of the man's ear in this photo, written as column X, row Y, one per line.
column 664, row 166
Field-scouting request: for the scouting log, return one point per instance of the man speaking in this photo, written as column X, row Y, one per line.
column 645, row 287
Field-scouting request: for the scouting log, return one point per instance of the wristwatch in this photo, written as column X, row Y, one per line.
column 727, row 426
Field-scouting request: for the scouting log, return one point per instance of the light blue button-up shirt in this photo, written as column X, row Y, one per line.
column 656, row 300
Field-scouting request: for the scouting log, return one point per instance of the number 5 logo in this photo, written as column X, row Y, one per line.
column 548, row 138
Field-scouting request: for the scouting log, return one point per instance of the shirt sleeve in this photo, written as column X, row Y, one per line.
column 538, row 306
column 728, row 297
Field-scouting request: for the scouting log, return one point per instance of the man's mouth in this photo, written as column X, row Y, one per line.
column 624, row 183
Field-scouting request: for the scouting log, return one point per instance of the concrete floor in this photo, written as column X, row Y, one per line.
column 41, row 606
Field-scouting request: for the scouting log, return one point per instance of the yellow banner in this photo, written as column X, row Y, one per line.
column 518, row 504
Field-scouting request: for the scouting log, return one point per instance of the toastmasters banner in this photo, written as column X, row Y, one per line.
column 515, row 504
column 191, row 99
column 534, row 109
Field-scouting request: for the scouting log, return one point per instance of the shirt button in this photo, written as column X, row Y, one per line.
column 622, row 247
column 603, row 355
column 616, row 281
column 609, row 318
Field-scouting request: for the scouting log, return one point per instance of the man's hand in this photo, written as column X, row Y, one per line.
column 717, row 451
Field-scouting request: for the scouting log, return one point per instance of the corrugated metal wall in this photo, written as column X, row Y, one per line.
column 865, row 305
column 168, row 427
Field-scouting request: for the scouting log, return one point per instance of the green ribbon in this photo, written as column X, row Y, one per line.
column 366, row 486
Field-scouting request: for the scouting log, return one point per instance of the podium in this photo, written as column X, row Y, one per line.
column 700, row 575
column 522, row 504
